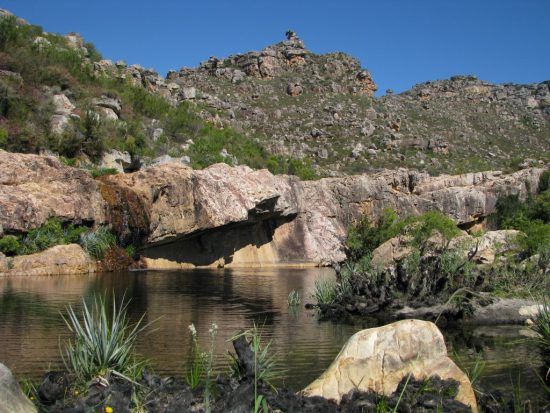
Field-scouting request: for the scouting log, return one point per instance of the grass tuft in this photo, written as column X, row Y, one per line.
column 103, row 343
column 97, row 242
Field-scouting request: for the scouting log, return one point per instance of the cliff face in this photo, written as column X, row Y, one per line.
column 231, row 216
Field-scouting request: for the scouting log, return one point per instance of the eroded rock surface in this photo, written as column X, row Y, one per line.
column 226, row 215
column 377, row 359
column 58, row 260
column 12, row 399
column 34, row 188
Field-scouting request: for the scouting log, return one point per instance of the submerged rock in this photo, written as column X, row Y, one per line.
column 12, row 399
column 378, row 359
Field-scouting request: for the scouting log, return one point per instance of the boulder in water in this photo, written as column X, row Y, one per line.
column 377, row 359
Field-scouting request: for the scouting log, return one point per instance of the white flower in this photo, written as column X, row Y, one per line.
column 192, row 329
column 213, row 329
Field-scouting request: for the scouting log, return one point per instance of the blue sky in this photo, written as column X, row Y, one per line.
column 402, row 42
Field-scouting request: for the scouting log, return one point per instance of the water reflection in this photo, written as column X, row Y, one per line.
column 31, row 328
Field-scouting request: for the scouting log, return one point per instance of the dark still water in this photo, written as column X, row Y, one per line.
column 31, row 329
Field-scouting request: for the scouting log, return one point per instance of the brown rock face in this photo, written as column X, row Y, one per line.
column 377, row 359
column 231, row 216
column 58, row 260
column 34, row 188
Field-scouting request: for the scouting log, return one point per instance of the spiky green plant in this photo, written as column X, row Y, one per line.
column 541, row 326
column 97, row 242
column 103, row 344
column 294, row 298
column 325, row 291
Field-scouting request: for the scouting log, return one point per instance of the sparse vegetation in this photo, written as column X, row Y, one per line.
column 54, row 232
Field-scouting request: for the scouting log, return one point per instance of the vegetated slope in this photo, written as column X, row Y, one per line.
column 284, row 108
column 322, row 107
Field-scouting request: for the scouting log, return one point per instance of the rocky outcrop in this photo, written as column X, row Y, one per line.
column 236, row 216
column 498, row 311
column 58, row 260
column 229, row 216
column 482, row 249
column 377, row 359
column 34, row 188
column 12, row 399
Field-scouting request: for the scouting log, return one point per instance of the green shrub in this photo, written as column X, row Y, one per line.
column 363, row 237
column 145, row 103
column 97, row 242
column 544, row 181
column 536, row 239
column 102, row 344
column 429, row 224
column 47, row 236
column 97, row 172
column 3, row 138
column 541, row 327
column 9, row 244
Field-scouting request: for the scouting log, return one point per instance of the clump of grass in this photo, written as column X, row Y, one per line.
column 195, row 370
column 97, row 242
column 103, row 344
column 97, row 172
column 325, row 291
column 264, row 364
column 294, row 298
column 541, row 326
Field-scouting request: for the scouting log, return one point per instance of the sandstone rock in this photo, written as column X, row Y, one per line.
column 234, row 213
column 157, row 133
column 12, row 398
column 294, row 89
column 114, row 159
column 302, row 222
column 493, row 243
column 62, row 104
column 34, row 188
column 58, row 124
column 188, row 93
column 391, row 251
column 377, row 359
column 108, row 103
column 58, row 260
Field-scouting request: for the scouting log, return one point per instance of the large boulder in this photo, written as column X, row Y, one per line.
column 34, row 188
column 377, row 359
column 58, row 260
column 12, row 399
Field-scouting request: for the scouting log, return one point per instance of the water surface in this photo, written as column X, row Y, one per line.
column 32, row 330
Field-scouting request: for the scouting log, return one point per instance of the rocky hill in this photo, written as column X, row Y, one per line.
column 284, row 108
column 322, row 107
